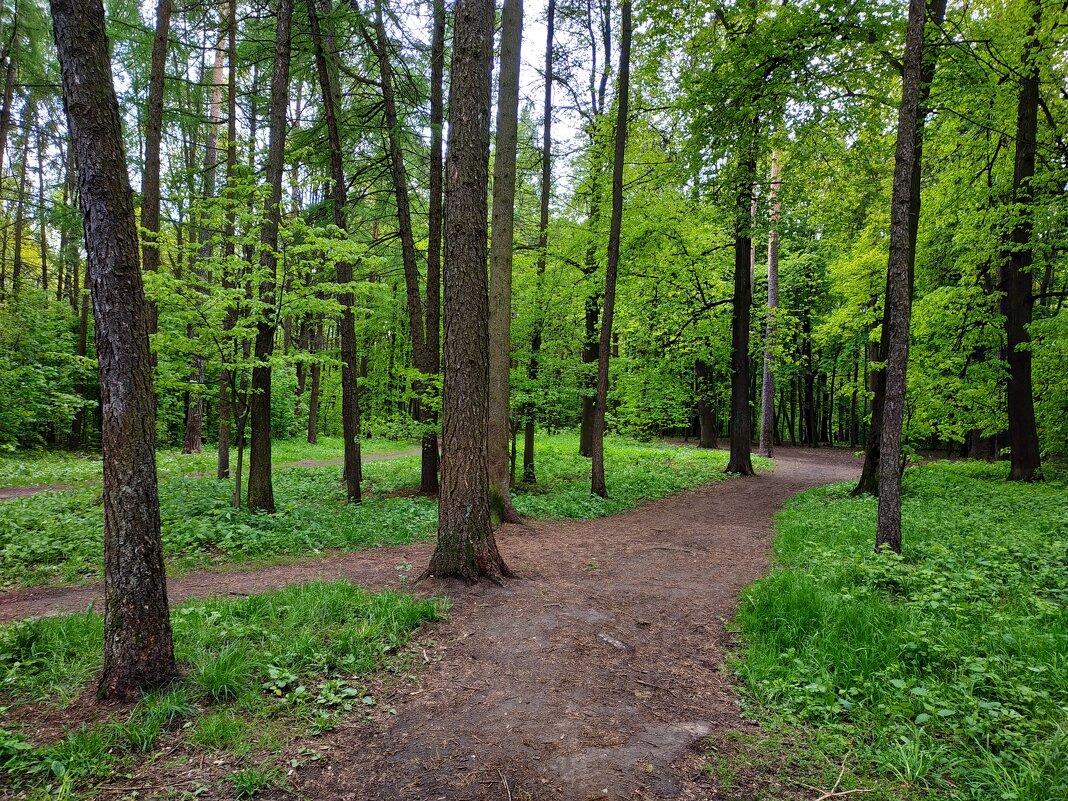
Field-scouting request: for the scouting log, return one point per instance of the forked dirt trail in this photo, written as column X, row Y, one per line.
column 595, row 676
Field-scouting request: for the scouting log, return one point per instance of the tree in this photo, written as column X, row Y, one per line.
column 466, row 547
column 904, row 204
column 350, row 404
column 767, row 394
column 501, row 242
column 260, row 485
column 1015, row 279
column 138, row 648
column 740, row 429
column 597, row 484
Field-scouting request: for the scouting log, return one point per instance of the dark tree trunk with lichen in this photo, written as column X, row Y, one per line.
column 138, row 649
column 466, row 547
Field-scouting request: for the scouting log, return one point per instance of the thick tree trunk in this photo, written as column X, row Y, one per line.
column 466, row 547
column 501, row 241
column 767, row 393
column 350, row 404
column 260, row 486
column 917, row 72
column 138, row 649
column 7, row 61
column 597, row 478
column 1016, row 281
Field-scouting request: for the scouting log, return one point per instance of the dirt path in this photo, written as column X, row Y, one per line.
column 595, row 676
column 6, row 493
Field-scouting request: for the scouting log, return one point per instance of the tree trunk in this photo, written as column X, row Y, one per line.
column 316, row 371
column 904, row 218
column 767, row 392
column 466, row 547
column 42, row 146
column 138, row 648
column 260, row 486
column 501, row 242
column 529, row 469
column 226, row 403
column 350, row 404
column 597, row 480
column 740, row 433
column 1016, row 281
column 705, row 412
column 150, row 179
column 20, row 217
column 7, row 61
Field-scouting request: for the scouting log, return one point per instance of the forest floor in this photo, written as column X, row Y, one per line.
column 598, row 674
column 6, row 493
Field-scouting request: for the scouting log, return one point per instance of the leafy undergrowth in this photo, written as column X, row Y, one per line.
column 26, row 468
column 58, row 536
column 944, row 672
column 258, row 672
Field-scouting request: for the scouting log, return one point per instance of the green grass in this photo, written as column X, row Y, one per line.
column 40, row 466
column 259, row 671
column 944, row 671
column 58, row 536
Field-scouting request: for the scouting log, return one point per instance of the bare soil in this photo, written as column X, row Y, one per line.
column 597, row 675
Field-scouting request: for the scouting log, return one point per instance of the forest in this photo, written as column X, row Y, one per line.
column 572, row 399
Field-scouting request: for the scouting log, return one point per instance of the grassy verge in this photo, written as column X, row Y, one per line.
column 26, row 468
column 259, row 672
column 59, row 536
column 939, row 674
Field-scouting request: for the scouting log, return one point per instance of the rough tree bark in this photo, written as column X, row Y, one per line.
column 260, row 486
column 466, row 547
column 869, row 476
column 767, row 390
column 904, row 204
column 1016, row 281
column 501, row 241
column 350, row 404
column 138, row 648
column 597, row 481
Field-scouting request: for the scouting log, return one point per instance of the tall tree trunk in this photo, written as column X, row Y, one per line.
column 350, row 406
column 740, row 432
column 316, row 371
column 7, row 61
column 597, row 480
column 917, row 70
column 425, row 362
column 429, row 466
column 138, row 648
column 767, row 393
column 260, row 485
column 20, row 217
column 150, row 178
column 227, row 396
column 41, row 148
column 466, row 547
column 1016, row 281
column 530, row 475
column 878, row 352
column 501, row 242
